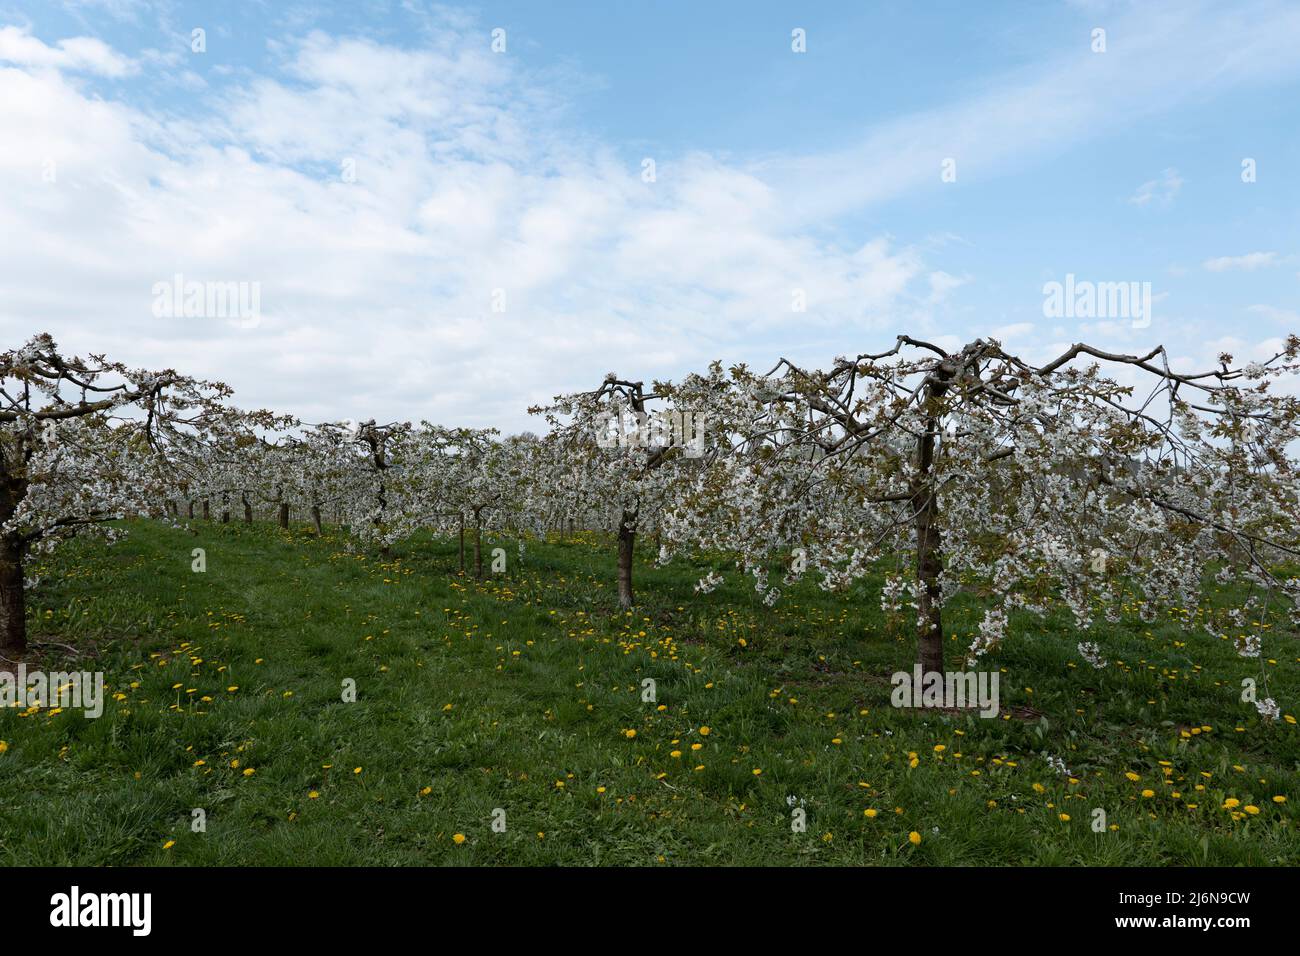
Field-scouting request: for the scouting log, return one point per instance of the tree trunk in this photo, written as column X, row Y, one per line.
column 315, row 519
column 225, row 508
column 929, row 541
column 462, row 542
column 191, row 509
column 478, row 545
column 207, row 514
column 248, row 511
column 626, row 545
column 13, row 606
column 284, row 514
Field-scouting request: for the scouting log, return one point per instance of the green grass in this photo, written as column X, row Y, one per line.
column 518, row 693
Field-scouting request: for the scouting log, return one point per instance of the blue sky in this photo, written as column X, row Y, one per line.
column 520, row 172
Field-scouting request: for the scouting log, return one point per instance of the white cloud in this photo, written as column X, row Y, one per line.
column 1162, row 191
column 1288, row 317
column 377, row 295
column 1248, row 263
column 78, row 54
column 942, row 285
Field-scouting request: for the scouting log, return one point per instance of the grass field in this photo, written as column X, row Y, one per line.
column 522, row 693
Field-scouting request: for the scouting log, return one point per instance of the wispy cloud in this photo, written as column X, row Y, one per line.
column 1289, row 318
column 1156, row 58
column 1247, row 263
column 1161, row 191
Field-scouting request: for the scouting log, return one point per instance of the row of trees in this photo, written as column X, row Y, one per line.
column 1092, row 481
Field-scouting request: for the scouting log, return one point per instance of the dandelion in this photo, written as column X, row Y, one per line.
column 458, row 838
column 169, row 844
column 914, row 838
